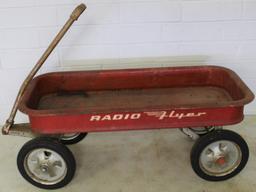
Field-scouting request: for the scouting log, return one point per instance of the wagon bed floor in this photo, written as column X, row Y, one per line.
column 142, row 98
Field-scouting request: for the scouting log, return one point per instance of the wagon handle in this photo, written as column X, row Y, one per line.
column 73, row 17
column 78, row 11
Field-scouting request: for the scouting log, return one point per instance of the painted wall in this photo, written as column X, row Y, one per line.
column 126, row 34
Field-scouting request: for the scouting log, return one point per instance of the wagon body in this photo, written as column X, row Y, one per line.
column 114, row 100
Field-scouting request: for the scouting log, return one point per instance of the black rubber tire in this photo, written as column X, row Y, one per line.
column 214, row 136
column 57, row 147
column 75, row 140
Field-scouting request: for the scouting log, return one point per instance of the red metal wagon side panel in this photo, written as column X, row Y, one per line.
column 137, row 120
column 133, row 116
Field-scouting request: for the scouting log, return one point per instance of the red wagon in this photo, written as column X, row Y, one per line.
column 64, row 106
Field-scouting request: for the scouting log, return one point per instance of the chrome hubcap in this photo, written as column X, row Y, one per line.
column 69, row 136
column 204, row 130
column 220, row 158
column 45, row 166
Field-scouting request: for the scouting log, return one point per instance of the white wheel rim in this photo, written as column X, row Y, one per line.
column 220, row 158
column 69, row 136
column 45, row 166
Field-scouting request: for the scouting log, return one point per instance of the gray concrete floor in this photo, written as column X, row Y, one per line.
column 150, row 161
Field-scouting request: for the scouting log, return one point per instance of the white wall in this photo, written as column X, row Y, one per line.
column 177, row 32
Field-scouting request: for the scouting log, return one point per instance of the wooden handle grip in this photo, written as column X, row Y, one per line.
column 78, row 11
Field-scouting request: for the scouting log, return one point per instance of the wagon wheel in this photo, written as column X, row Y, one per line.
column 219, row 155
column 72, row 138
column 46, row 163
column 201, row 131
column 195, row 132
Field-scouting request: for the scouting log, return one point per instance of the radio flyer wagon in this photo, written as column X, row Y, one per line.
column 64, row 106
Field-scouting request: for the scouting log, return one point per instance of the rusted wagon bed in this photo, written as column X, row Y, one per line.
column 64, row 106
column 68, row 102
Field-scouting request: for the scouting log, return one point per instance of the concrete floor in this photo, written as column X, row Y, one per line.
column 143, row 161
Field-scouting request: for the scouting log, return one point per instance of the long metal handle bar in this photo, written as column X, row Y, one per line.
column 73, row 17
